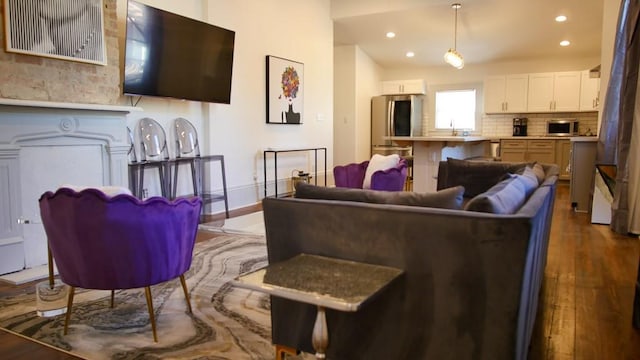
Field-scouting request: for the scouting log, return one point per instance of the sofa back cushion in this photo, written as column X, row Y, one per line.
column 476, row 176
column 505, row 197
column 450, row 198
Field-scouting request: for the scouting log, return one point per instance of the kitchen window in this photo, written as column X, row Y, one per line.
column 455, row 108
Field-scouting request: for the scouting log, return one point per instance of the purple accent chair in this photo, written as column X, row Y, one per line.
column 120, row 242
column 352, row 176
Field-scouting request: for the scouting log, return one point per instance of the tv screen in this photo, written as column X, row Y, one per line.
column 169, row 55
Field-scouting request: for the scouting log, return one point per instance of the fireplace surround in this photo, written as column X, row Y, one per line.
column 44, row 145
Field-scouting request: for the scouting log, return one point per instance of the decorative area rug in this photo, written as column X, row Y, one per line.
column 227, row 322
column 247, row 224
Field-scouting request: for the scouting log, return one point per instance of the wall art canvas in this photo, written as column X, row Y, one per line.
column 68, row 30
column 285, row 91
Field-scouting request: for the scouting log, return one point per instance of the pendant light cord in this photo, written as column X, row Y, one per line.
column 455, row 6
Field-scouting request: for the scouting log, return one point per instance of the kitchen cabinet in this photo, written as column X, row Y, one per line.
column 542, row 151
column 583, row 167
column 513, row 150
column 563, row 158
column 554, row 92
column 506, row 94
column 589, row 92
column 538, row 150
column 393, row 87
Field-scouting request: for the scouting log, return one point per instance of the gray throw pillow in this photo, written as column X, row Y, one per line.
column 506, row 197
column 478, row 176
column 450, row 198
column 539, row 171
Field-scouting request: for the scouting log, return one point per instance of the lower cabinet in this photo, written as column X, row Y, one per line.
column 545, row 151
column 513, row 150
column 542, row 151
column 563, row 158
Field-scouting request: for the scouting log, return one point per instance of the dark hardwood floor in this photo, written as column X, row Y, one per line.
column 585, row 303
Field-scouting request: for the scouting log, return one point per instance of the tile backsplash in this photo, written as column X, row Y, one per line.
column 502, row 125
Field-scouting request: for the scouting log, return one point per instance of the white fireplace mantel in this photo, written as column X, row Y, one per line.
column 69, row 106
column 42, row 146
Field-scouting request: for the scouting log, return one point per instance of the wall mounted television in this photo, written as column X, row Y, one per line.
column 169, row 55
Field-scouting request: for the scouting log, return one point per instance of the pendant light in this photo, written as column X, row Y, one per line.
column 452, row 57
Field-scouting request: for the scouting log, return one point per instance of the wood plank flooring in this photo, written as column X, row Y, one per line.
column 585, row 303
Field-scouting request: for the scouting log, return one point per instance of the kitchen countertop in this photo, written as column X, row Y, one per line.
column 584, row 139
column 440, row 138
column 464, row 139
column 542, row 137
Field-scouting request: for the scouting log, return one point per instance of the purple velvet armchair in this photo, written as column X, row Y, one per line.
column 352, row 176
column 120, row 242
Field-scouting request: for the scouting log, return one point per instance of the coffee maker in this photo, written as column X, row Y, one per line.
column 520, row 127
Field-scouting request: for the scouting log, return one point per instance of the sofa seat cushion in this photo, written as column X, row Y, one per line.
column 478, row 176
column 505, row 197
column 450, row 198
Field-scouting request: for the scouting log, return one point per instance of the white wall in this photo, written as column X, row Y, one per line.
column 357, row 79
column 368, row 78
column 239, row 130
column 344, row 102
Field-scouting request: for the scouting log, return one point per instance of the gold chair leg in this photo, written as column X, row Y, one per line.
column 186, row 292
column 72, row 291
column 147, row 292
column 282, row 350
column 112, row 297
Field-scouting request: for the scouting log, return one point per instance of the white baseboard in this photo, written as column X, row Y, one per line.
column 28, row 275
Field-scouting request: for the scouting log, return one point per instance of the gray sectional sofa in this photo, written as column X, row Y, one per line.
column 472, row 270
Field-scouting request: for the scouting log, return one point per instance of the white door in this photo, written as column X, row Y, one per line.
column 44, row 168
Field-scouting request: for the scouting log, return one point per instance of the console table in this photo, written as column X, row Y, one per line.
column 275, row 165
column 322, row 281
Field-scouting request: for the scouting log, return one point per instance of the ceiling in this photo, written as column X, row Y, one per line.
column 489, row 31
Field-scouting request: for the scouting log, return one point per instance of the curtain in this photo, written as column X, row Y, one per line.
column 614, row 142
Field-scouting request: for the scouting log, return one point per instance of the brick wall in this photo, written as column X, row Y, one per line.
column 29, row 77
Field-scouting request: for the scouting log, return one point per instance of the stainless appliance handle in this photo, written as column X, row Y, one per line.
column 390, row 118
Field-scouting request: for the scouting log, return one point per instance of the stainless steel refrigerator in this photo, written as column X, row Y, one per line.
column 394, row 115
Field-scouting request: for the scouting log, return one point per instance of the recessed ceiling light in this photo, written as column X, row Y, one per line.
column 391, row 34
column 565, row 43
column 410, row 54
column 561, row 18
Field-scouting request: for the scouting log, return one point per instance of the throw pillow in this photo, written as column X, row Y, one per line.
column 478, row 176
column 450, row 198
column 539, row 171
column 506, row 197
column 379, row 162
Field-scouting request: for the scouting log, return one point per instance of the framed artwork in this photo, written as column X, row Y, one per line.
column 285, row 91
column 67, row 30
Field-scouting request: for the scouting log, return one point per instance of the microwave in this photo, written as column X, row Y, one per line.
column 562, row 127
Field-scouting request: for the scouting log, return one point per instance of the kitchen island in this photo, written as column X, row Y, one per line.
column 428, row 151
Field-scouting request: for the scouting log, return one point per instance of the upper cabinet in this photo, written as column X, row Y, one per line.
column 506, row 94
column 589, row 92
column 554, row 92
column 568, row 91
column 394, row 87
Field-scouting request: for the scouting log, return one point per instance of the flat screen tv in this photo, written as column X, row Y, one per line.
column 169, row 55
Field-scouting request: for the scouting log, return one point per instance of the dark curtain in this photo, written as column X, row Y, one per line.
column 618, row 113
